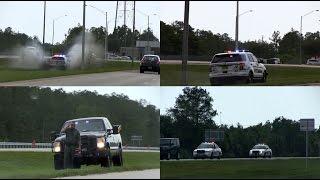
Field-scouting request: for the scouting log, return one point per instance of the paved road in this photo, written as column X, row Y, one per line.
column 207, row 63
column 123, row 78
column 145, row 174
column 241, row 159
column 49, row 150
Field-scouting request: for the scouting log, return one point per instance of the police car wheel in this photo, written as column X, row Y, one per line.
column 211, row 157
column 250, row 77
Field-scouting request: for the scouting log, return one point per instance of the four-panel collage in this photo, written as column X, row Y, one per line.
column 82, row 97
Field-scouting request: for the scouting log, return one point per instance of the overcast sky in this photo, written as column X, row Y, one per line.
column 267, row 16
column 27, row 16
column 252, row 105
column 150, row 93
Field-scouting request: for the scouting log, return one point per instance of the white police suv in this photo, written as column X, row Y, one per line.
column 238, row 65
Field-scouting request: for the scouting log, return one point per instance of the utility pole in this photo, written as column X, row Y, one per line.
column 237, row 27
column 133, row 30
column 124, row 22
column 83, row 34
column 106, row 39
column 115, row 21
column 148, row 44
column 44, row 22
column 185, row 43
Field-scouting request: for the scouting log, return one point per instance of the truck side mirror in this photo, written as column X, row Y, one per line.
column 53, row 135
column 116, row 129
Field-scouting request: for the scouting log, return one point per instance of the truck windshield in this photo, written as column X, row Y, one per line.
column 165, row 142
column 150, row 58
column 89, row 125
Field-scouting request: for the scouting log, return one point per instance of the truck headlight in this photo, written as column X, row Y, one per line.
column 100, row 142
column 56, row 147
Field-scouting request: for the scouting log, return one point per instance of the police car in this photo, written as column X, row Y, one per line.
column 236, row 65
column 207, row 150
column 59, row 61
column 260, row 150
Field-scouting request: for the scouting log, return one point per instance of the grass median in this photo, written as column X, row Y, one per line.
column 247, row 169
column 40, row 165
column 278, row 76
column 10, row 74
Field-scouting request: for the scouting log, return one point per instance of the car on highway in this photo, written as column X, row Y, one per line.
column 273, row 61
column 260, row 150
column 59, row 61
column 313, row 62
column 169, row 148
column 150, row 63
column 207, row 150
column 238, row 65
column 101, row 143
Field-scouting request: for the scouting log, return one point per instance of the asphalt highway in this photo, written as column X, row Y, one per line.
column 122, row 78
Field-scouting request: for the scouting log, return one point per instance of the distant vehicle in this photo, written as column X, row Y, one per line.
column 125, row 58
column 260, row 150
column 59, row 61
column 262, row 60
column 101, row 143
column 313, row 62
column 169, row 148
column 236, row 66
column 207, row 150
column 150, row 63
column 273, row 61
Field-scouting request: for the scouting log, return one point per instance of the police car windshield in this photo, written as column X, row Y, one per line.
column 89, row 125
column 226, row 58
column 205, row 145
column 259, row 147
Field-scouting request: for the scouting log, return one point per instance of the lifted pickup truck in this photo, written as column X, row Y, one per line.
column 101, row 143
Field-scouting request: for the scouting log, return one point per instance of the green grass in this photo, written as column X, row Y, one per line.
column 278, row 76
column 9, row 74
column 40, row 165
column 294, row 168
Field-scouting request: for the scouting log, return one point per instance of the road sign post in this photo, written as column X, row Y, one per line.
column 307, row 125
column 213, row 135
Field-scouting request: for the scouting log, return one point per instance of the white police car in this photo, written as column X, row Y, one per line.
column 207, row 150
column 59, row 61
column 260, row 150
column 238, row 65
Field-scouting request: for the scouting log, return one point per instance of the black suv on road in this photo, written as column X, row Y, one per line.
column 169, row 148
column 150, row 63
column 101, row 143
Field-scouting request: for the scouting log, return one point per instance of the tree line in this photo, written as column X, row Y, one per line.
column 193, row 113
column 32, row 113
column 120, row 37
column 204, row 44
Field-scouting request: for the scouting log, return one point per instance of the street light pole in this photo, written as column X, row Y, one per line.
column 237, row 27
column 185, row 43
column 148, row 44
column 83, row 33
column 106, row 38
column 44, row 22
column 301, row 35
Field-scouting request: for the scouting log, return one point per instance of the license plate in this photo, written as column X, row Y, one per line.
column 224, row 68
column 149, row 67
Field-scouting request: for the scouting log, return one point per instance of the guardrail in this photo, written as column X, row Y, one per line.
column 22, row 145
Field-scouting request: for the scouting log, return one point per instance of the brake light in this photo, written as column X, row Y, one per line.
column 241, row 66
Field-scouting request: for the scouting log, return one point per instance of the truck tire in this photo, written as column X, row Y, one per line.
column 117, row 160
column 106, row 161
column 76, row 163
column 58, row 162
